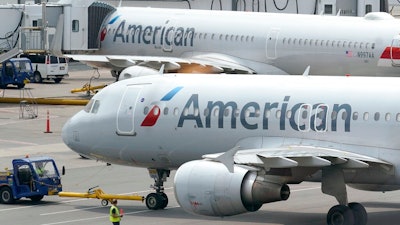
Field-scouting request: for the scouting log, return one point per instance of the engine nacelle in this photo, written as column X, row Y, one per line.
column 208, row 188
column 136, row 71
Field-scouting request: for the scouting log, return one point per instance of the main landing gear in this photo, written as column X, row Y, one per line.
column 345, row 213
column 158, row 200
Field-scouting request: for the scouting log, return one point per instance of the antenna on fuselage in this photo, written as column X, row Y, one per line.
column 120, row 3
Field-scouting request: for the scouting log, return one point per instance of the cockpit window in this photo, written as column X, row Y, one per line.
column 92, row 106
column 96, row 106
column 88, row 106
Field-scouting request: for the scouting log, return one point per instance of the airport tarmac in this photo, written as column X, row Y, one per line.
column 20, row 137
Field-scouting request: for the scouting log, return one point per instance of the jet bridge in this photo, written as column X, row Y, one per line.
column 26, row 32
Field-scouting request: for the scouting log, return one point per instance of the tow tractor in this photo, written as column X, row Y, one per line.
column 30, row 178
column 15, row 71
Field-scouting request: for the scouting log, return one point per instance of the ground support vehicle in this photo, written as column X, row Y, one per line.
column 48, row 67
column 15, row 71
column 30, row 178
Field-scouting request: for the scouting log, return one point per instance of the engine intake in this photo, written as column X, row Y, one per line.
column 136, row 71
column 208, row 188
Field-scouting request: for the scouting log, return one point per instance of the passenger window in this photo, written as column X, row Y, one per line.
column 176, row 111
column 387, row 117
column 398, row 117
column 376, row 116
column 236, row 115
column 334, row 115
column 247, row 113
column 166, row 111
column 146, row 110
column 355, row 116
column 75, row 25
column 344, row 115
column 366, row 116
column 278, row 114
column 304, row 114
column 226, row 112
column 185, row 111
column 206, row 112
column 289, row 114
column 216, row 112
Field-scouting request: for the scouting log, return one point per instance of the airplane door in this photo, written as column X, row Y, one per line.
column 272, row 40
column 126, row 111
column 395, row 51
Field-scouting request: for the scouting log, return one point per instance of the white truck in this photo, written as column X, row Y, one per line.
column 48, row 67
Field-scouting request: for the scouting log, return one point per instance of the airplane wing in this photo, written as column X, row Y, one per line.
column 207, row 63
column 299, row 156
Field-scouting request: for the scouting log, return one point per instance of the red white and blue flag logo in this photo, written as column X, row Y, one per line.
column 155, row 112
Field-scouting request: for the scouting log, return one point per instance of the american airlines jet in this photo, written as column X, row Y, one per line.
column 247, row 42
column 238, row 141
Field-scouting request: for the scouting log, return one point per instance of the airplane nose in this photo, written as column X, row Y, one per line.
column 65, row 132
column 70, row 134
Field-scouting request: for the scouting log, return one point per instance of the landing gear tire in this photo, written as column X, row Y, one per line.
column 340, row 215
column 164, row 200
column 359, row 212
column 153, row 201
column 6, row 195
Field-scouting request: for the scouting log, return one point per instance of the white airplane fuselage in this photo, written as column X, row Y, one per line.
column 267, row 43
column 165, row 121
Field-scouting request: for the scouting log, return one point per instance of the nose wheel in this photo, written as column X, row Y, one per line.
column 158, row 200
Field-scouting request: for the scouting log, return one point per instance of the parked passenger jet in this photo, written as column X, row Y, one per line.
column 256, row 134
column 247, row 42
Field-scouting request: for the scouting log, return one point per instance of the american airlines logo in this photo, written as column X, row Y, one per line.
column 253, row 115
column 163, row 35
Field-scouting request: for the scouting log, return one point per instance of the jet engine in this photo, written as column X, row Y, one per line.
column 208, row 188
column 136, row 71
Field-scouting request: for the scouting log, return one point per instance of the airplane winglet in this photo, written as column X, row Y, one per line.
column 307, row 71
column 227, row 158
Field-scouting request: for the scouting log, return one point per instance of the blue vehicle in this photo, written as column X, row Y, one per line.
column 15, row 71
column 30, row 178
